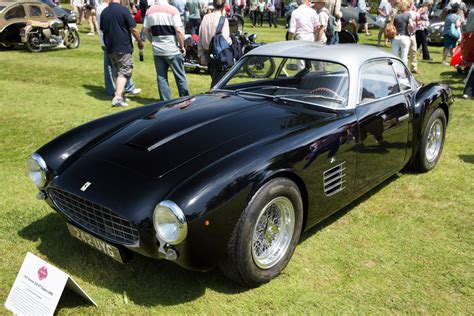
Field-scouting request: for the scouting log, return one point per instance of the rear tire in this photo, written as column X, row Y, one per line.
column 432, row 142
column 33, row 43
column 266, row 234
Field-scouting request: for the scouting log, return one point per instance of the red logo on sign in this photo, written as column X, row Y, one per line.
column 42, row 273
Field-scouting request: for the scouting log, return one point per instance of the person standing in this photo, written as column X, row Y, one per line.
column 90, row 15
column 304, row 23
column 362, row 7
column 206, row 33
column 253, row 11
column 108, row 74
column 323, row 15
column 422, row 30
column 181, row 6
column 193, row 9
column 164, row 29
column 334, row 8
column 261, row 11
column 271, row 13
column 118, row 26
column 79, row 8
column 413, row 45
column 401, row 42
column 384, row 13
column 450, row 41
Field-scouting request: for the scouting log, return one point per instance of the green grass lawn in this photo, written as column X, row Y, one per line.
column 406, row 247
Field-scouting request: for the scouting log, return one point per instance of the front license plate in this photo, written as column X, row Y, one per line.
column 72, row 26
column 97, row 243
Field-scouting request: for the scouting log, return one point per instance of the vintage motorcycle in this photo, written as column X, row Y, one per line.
column 247, row 43
column 37, row 35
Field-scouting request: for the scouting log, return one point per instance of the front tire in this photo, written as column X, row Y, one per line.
column 432, row 142
column 266, row 234
column 73, row 39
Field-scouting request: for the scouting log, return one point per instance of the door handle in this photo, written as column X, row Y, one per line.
column 404, row 117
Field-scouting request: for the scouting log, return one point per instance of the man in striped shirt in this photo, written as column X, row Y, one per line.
column 164, row 29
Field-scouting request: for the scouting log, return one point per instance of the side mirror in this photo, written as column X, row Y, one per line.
column 253, row 37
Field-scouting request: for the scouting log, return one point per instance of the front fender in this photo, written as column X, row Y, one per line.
column 428, row 98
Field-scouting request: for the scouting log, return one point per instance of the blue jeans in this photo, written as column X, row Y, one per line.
column 334, row 39
column 109, row 78
column 162, row 64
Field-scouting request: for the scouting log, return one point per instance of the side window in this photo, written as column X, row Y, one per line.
column 17, row 12
column 35, row 10
column 403, row 76
column 48, row 12
column 377, row 80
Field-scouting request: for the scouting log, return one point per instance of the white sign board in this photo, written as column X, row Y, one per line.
column 38, row 288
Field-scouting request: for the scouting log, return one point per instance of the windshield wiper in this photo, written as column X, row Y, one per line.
column 264, row 88
column 309, row 96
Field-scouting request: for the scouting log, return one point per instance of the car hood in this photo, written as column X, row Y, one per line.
column 188, row 128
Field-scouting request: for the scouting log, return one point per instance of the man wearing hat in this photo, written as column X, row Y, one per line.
column 304, row 23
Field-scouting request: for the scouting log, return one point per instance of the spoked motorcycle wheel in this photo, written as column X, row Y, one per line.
column 33, row 43
column 73, row 39
column 260, row 67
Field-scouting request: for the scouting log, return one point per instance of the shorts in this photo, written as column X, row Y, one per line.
column 122, row 65
column 362, row 18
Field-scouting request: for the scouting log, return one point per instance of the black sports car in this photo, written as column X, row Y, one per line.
column 233, row 176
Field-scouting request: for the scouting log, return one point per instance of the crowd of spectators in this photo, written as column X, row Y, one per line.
column 165, row 25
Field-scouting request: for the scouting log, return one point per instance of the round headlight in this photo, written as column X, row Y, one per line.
column 170, row 223
column 37, row 170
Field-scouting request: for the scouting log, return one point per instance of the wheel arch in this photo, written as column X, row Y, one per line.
column 293, row 176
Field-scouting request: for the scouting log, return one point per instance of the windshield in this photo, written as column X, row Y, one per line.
column 302, row 80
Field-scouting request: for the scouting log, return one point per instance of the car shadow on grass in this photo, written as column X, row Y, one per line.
column 467, row 158
column 143, row 281
column 336, row 216
column 98, row 92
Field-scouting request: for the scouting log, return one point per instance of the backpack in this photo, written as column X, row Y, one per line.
column 219, row 50
column 236, row 47
column 331, row 27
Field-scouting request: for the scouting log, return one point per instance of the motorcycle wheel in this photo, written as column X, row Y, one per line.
column 33, row 43
column 254, row 68
column 73, row 39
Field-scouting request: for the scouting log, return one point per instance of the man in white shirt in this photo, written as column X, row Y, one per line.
column 304, row 23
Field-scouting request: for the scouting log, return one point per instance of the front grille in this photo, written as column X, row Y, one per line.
column 334, row 179
column 95, row 218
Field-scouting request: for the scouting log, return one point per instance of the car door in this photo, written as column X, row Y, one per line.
column 382, row 113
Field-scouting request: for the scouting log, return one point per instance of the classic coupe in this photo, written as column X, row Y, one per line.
column 232, row 177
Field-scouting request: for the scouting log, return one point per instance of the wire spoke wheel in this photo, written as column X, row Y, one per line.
column 435, row 140
column 273, row 232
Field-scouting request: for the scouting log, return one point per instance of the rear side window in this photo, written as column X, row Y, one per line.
column 35, row 10
column 17, row 12
column 403, row 76
column 377, row 81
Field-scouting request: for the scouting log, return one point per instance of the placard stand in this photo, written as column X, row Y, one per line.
column 38, row 288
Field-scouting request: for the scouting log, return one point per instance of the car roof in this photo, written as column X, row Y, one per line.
column 6, row 3
column 350, row 55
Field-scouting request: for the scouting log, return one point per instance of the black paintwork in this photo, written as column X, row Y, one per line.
column 210, row 153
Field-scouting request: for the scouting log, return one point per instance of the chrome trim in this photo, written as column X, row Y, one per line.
column 404, row 117
column 182, row 224
column 333, row 179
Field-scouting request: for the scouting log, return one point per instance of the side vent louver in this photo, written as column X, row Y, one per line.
column 334, row 179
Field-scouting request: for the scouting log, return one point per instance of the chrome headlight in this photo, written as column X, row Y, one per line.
column 170, row 223
column 37, row 170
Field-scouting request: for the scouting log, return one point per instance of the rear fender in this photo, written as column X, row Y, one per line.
column 428, row 98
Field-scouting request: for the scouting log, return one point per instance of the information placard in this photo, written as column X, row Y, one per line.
column 38, row 288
